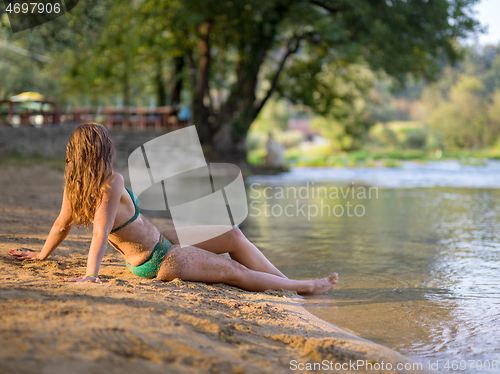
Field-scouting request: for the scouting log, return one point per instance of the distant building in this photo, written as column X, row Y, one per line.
column 302, row 125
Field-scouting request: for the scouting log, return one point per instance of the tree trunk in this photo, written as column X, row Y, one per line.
column 229, row 145
column 161, row 94
column 226, row 132
column 175, row 87
column 201, row 98
column 239, row 112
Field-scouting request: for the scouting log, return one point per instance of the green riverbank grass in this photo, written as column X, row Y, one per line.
column 324, row 156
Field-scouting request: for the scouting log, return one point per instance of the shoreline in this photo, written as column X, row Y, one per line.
column 129, row 324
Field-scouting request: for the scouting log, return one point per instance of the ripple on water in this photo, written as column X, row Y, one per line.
column 419, row 272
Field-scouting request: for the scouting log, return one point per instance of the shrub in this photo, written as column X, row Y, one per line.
column 416, row 139
column 383, row 135
column 255, row 140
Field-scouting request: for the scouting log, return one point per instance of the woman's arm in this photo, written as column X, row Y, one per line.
column 103, row 223
column 57, row 234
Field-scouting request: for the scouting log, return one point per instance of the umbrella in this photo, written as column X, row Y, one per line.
column 28, row 96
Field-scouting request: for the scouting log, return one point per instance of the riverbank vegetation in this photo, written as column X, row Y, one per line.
column 455, row 117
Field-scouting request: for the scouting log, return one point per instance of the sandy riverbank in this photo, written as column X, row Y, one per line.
column 130, row 325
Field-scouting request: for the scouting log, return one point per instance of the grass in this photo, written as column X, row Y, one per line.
column 256, row 157
column 374, row 157
column 391, row 163
column 325, row 156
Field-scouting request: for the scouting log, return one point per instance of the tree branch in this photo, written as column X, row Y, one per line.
column 293, row 46
column 24, row 52
column 326, row 6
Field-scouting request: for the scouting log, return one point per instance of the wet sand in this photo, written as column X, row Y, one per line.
column 129, row 324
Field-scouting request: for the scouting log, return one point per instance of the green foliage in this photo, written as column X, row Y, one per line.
column 402, row 154
column 416, row 138
column 382, row 135
column 273, row 116
column 338, row 93
column 255, row 140
column 462, row 119
column 256, row 156
column 237, row 54
column 313, row 156
column 52, row 40
column 20, row 74
column 334, row 131
column 461, row 107
column 289, row 138
column 473, row 161
column 390, row 163
column 359, row 155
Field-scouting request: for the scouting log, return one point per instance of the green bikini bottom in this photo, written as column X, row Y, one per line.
column 151, row 267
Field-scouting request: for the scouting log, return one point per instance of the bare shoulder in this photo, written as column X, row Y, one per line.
column 116, row 182
column 117, row 178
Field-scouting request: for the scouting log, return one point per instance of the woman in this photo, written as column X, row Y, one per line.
column 94, row 193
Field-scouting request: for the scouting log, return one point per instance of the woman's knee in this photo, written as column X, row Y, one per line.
column 235, row 234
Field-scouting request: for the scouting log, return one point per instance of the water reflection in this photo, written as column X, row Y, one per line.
column 419, row 270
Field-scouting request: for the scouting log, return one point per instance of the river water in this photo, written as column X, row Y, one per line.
column 417, row 250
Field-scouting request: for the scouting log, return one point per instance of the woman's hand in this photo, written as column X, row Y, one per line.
column 84, row 278
column 25, row 254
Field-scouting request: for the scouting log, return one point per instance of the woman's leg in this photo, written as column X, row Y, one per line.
column 239, row 248
column 198, row 265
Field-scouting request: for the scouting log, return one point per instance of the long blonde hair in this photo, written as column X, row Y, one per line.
column 89, row 163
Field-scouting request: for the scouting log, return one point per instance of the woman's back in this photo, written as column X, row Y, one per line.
column 134, row 238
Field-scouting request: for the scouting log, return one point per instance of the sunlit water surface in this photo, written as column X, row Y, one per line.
column 419, row 270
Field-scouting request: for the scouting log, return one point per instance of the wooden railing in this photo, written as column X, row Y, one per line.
column 38, row 113
column 140, row 118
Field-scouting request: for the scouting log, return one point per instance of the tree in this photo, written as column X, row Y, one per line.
column 462, row 120
column 49, row 47
column 234, row 55
column 256, row 48
column 340, row 94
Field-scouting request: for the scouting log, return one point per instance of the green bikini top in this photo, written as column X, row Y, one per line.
column 137, row 205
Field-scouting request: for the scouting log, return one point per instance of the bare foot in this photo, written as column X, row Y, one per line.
column 324, row 285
